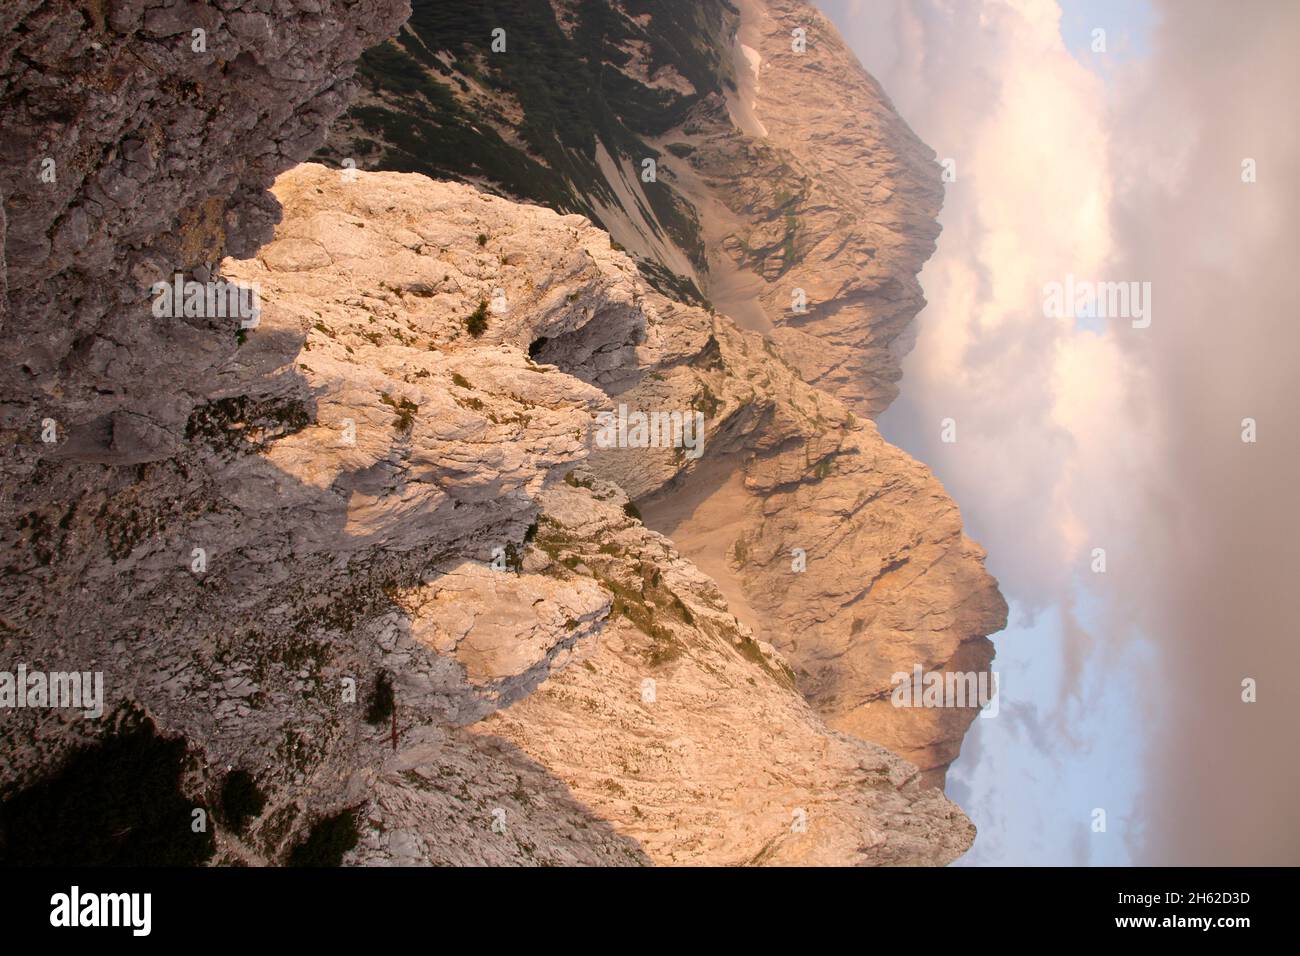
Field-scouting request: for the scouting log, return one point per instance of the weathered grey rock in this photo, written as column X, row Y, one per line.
column 456, row 798
column 130, row 149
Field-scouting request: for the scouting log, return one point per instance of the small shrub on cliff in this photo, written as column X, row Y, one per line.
column 476, row 324
column 405, row 409
column 381, row 700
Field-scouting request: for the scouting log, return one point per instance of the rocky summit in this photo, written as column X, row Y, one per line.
column 466, row 496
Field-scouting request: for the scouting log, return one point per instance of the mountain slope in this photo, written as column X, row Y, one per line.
column 354, row 575
column 708, row 767
column 799, row 176
column 788, row 192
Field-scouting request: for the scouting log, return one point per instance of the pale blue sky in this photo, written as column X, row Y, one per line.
column 1128, row 25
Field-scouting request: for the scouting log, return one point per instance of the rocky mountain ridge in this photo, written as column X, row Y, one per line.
column 779, row 173
column 360, row 557
column 709, row 765
column 786, row 192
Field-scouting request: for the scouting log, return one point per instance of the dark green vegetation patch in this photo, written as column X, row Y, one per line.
column 573, row 97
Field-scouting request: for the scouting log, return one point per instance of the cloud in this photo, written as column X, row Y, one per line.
column 1211, row 564
column 992, row 87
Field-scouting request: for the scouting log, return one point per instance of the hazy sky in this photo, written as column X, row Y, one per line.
column 1121, row 690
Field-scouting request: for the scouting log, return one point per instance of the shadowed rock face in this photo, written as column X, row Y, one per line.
column 135, row 148
column 132, row 147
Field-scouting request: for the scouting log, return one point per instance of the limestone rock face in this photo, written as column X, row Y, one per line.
column 389, row 493
column 350, row 483
column 833, row 545
column 674, row 738
column 688, row 734
column 365, row 547
column 137, row 140
column 838, row 214
column 588, row 565
column 455, row 798
column 788, row 194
